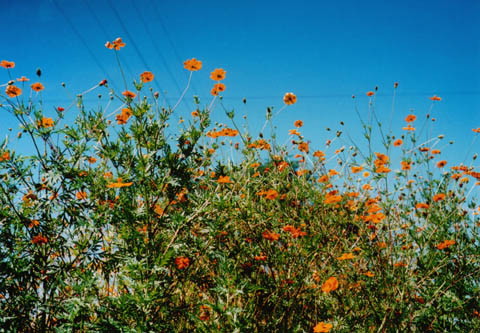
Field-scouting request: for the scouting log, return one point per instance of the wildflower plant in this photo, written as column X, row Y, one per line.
column 117, row 222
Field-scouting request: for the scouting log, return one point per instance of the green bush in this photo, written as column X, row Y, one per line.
column 130, row 225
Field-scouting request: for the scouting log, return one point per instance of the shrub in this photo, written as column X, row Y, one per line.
column 127, row 225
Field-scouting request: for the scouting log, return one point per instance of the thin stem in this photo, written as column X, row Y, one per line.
column 121, row 70
column 184, row 92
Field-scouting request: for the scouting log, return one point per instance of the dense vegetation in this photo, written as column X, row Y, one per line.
column 125, row 224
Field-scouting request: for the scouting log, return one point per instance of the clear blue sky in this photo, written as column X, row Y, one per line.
column 323, row 51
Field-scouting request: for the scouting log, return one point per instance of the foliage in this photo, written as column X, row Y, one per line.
column 125, row 226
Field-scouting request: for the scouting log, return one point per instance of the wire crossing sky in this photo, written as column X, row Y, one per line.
column 324, row 52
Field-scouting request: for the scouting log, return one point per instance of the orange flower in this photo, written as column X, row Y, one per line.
column 422, row 205
column 303, row 147
column 408, row 128
column 271, row 194
column 435, row 98
column 81, row 195
column 119, row 184
column 410, row 118
column 13, row 91
column 261, row 257
column 124, row 116
column 92, row 160
column 406, row 165
column 293, row 132
column 39, row 239
column 289, row 98
column 332, row 172
column 217, row 88
column 224, row 180
column 476, row 130
column 356, row 169
column 218, row 74
column 7, row 64
column 271, row 236
column 382, row 169
column 129, row 94
column 438, row 197
column 296, row 232
column 45, row 122
column 330, row 285
column 146, row 77
column 298, row 123
column 370, row 93
column 29, row 196
column 445, row 244
column 331, row 197
column 320, row 154
column 322, row 327
column 346, row 256
column 37, row 86
column 192, row 64
column 382, row 158
column 5, row 156
column 117, row 44
column 441, row 164
column 34, row 223
column 398, row 142
column 195, row 114
column 182, row 262
column 23, row 79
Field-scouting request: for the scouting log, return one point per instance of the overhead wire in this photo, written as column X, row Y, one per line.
column 135, row 47
column 157, row 49
column 172, row 45
column 106, row 34
column 85, row 44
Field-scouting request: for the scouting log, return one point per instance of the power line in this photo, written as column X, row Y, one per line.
column 142, row 59
column 164, row 28
column 105, row 33
column 85, row 44
column 159, row 53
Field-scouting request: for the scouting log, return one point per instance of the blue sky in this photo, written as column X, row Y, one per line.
column 323, row 51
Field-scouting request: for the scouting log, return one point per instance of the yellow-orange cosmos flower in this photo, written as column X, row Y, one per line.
column 322, row 327
column 117, row 44
column 119, row 184
column 129, row 94
column 289, row 98
column 7, row 64
column 192, row 65
column 445, row 244
column 37, row 86
column 346, row 256
column 218, row 74
column 330, row 285
column 45, row 122
column 224, row 180
column 146, row 77
column 13, row 91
